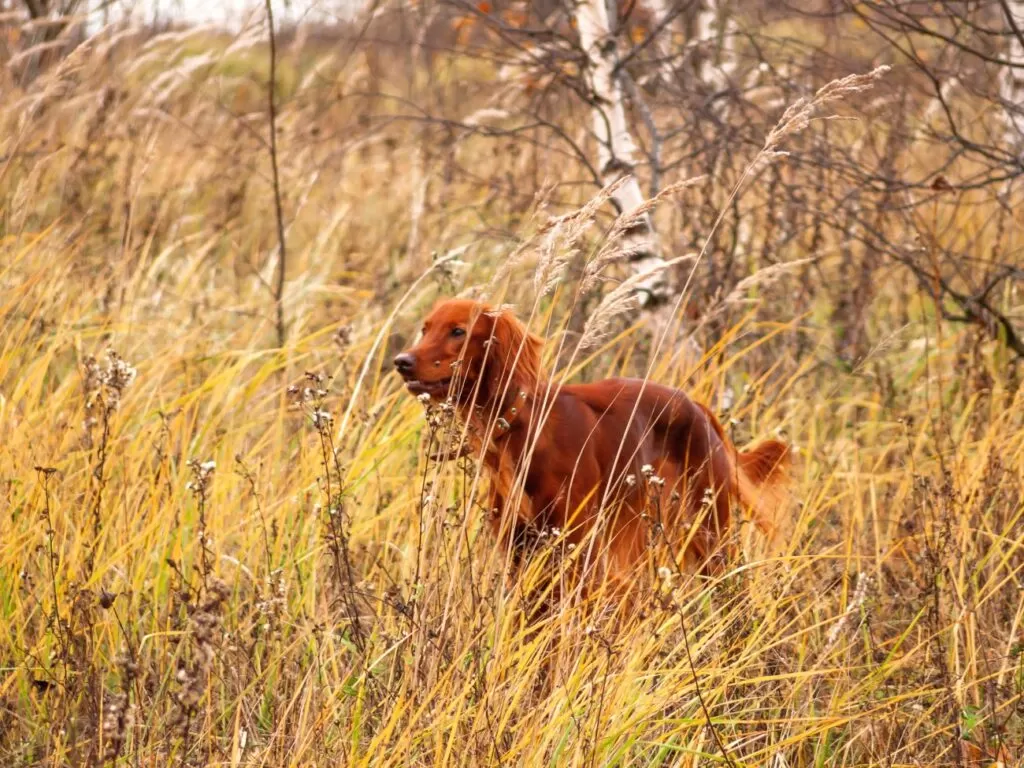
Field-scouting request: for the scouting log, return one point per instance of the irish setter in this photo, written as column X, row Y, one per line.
column 624, row 456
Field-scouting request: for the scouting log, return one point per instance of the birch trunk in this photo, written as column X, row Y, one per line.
column 670, row 40
column 1011, row 82
column 705, row 30
column 616, row 149
column 715, row 35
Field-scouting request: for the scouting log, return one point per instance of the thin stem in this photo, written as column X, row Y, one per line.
column 279, row 213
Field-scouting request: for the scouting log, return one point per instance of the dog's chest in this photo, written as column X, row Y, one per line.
column 511, row 481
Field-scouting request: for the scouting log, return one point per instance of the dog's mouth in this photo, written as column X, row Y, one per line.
column 432, row 388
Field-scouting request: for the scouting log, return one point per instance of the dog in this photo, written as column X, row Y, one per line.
column 624, row 461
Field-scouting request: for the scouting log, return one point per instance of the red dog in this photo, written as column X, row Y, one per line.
column 616, row 454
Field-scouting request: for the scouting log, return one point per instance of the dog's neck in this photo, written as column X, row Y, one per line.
column 510, row 414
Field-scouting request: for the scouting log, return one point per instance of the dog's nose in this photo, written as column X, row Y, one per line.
column 404, row 363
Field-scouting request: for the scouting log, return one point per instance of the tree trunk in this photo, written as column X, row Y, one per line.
column 667, row 25
column 715, row 36
column 1011, row 82
column 707, row 32
column 616, row 149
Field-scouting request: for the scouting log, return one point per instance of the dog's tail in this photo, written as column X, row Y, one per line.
column 762, row 480
column 760, row 477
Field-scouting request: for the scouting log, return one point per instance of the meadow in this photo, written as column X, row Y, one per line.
column 223, row 540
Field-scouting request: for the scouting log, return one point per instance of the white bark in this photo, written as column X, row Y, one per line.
column 705, row 30
column 671, row 37
column 715, row 34
column 616, row 149
column 1011, row 82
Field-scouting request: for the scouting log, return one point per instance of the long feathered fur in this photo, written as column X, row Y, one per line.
column 760, row 477
column 516, row 357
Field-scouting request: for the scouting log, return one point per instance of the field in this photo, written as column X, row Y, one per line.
column 222, row 540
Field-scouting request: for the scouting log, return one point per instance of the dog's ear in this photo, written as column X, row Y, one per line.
column 516, row 354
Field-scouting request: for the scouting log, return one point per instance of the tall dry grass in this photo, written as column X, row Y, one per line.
column 217, row 551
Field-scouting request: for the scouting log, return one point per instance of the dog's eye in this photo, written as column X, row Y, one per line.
column 457, row 332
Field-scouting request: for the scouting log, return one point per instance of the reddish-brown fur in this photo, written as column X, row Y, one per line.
column 577, row 451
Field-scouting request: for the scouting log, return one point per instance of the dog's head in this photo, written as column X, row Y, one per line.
column 469, row 349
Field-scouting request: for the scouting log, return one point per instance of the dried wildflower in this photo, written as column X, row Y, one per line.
column 343, row 336
column 708, row 499
column 202, row 476
column 315, row 388
column 204, row 636
column 273, row 601
column 105, row 384
column 116, row 722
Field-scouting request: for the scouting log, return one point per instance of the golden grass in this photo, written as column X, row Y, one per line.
column 167, row 610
